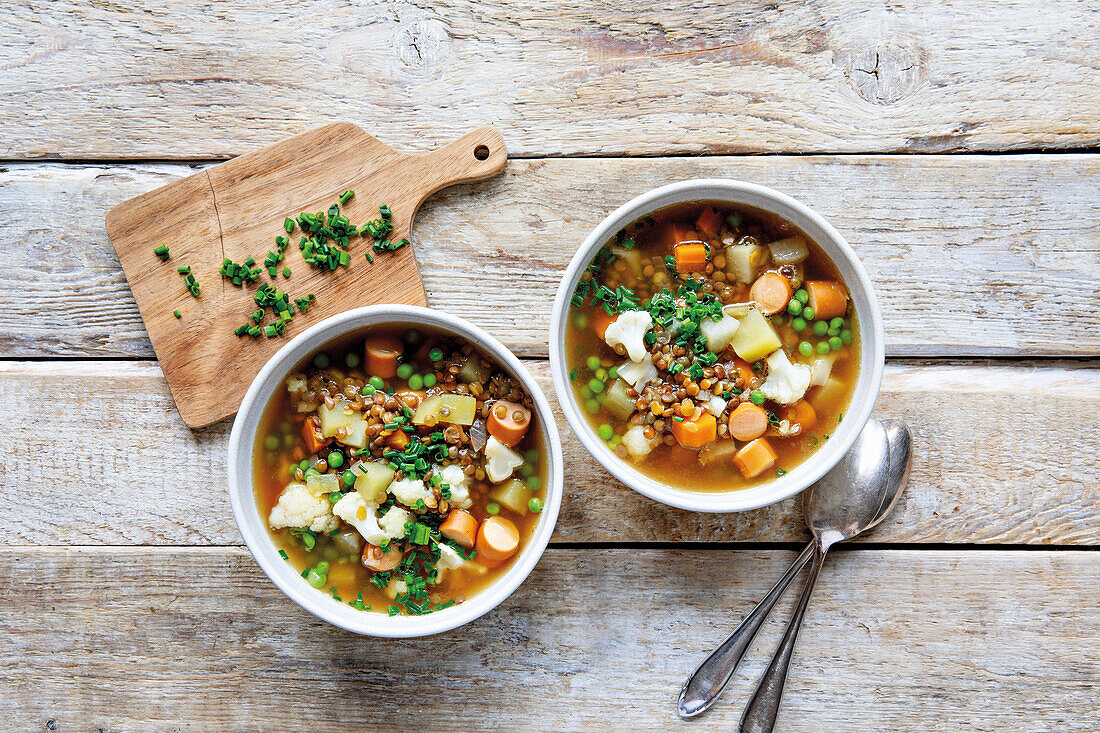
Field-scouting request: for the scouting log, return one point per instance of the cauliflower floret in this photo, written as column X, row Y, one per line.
column 409, row 490
column 785, row 429
column 393, row 522
column 365, row 521
column 786, row 382
column 637, row 445
column 716, row 405
column 628, row 330
column 396, row 587
column 459, row 482
column 500, row 460
column 297, row 507
column 719, row 333
column 638, row 375
column 449, row 559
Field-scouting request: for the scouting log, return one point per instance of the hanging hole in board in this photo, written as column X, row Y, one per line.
column 481, row 152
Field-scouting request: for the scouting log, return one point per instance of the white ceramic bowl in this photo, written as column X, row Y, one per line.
column 871, row 338
column 254, row 527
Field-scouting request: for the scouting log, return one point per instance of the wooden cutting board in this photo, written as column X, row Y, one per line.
column 236, row 209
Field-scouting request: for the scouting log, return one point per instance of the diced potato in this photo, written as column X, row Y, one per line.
column 719, row 450
column 371, row 481
column 513, row 494
column 618, row 401
column 341, row 573
column 828, row 396
column 789, row 251
column 333, row 418
column 755, row 338
column 325, row 483
column 473, row 370
column 458, row 409
column 744, row 261
column 719, row 333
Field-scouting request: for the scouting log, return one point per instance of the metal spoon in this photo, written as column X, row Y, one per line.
column 823, row 509
column 863, row 473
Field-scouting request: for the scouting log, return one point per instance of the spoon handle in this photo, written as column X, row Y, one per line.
column 763, row 708
column 707, row 681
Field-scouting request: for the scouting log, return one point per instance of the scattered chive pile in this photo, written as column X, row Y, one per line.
column 325, row 244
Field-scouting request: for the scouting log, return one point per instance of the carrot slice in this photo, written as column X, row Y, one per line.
column 497, row 540
column 696, row 432
column 755, row 458
column 382, row 353
column 748, row 421
column 744, row 371
column 600, row 321
column 398, row 439
column 828, row 298
column 461, row 527
column 678, row 232
column 709, row 222
column 800, row 413
column 374, row 558
column 690, row 257
column 771, row 292
column 311, row 431
column 508, row 422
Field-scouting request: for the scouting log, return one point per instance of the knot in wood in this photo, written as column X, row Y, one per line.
column 882, row 73
column 422, row 42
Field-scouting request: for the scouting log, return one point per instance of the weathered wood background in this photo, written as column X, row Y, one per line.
column 127, row 603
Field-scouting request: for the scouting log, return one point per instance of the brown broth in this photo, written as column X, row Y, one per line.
column 676, row 465
column 347, row 577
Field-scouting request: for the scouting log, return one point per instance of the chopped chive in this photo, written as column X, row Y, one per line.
column 385, row 211
column 177, row 314
column 288, row 224
column 286, row 272
column 282, row 554
column 369, row 258
column 346, row 196
column 183, row 269
column 161, row 252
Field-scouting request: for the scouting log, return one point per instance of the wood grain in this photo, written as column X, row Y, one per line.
column 174, row 639
column 970, row 255
column 124, row 80
column 1003, row 454
column 235, row 211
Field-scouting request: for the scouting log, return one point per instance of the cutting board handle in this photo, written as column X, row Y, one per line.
column 476, row 155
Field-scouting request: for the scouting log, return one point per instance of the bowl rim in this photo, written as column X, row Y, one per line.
column 253, row 526
column 871, row 333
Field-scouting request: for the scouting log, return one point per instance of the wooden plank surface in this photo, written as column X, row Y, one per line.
column 1003, row 454
column 970, row 255
column 177, row 639
column 125, row 80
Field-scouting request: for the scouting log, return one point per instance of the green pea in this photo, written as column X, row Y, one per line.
column 412, row 336
column 532, row 455
column 805, row 348
column 846, row 335
column 436, row 354
column 580, row 321
column 336, row 459
column 593, row 363
column 613, row 372
column 351, row 359
column 368, row 390
column 526, row 470
column 535, row 504
column 794, row 307
column 534, row 483
column 779, row 320
column 271, row 442
column 801, row 296
column 303, row 464
column 329, row 553
column 798, row 324
column 835, row 343
column 823, row 347
column 820, row 327
column 586, row 392
column 429, row 380
column 404, row 370
column 837, row 322
column 601, row 374
column 288, row 440
column 833, row 331
column 593, row 406
column 757, row 397
column 293, row 468
column 492, row 508
column 605, row 431
column 615, row 442
column 315, row 579
column 595, row 385
column 808, row 313
column 321, row 361
column 416, row 381
column 349, row 477
column 377, row 382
